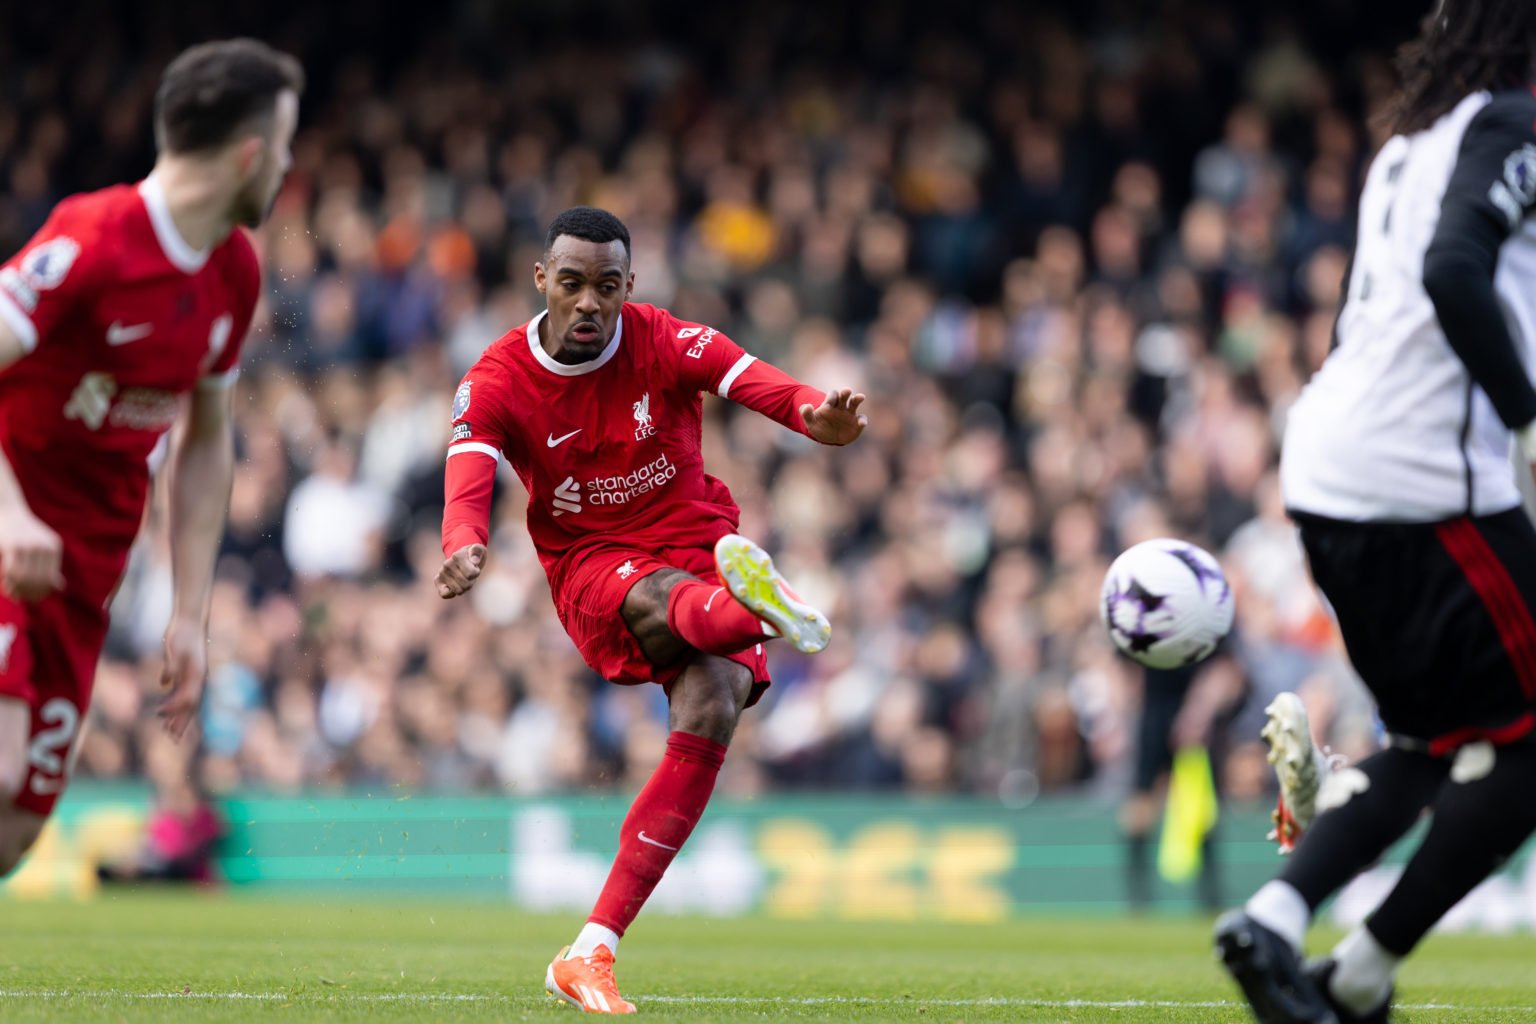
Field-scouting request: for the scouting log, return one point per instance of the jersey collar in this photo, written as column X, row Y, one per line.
column 181, row 254
column 553, row 365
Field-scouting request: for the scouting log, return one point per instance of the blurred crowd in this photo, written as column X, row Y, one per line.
column 1081, row 260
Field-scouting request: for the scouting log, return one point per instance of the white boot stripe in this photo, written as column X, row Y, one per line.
column 602, row 1000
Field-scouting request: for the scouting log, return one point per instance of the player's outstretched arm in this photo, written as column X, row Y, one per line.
column 837, row 420
column 30, row 552
column 831, row 418
column 201, row 473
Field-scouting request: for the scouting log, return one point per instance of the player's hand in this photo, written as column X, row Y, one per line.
column 186, row 669
column 30, row 553
column 459, row 573
column 838, row 421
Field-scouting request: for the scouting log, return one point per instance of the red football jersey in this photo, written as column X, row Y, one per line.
column 610, row 449
column 122, row 319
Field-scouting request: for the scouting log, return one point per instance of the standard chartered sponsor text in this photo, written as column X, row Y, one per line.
column 619, row 490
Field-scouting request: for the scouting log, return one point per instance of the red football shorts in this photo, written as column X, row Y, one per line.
column 48, row 655
column 590, row 607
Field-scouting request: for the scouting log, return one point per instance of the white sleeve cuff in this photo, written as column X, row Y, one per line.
column 473, row 446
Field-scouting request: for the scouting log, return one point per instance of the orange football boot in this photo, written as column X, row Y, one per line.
column 586, row 982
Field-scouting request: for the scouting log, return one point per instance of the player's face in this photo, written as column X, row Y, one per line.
column 586, row 285
column 270, row 164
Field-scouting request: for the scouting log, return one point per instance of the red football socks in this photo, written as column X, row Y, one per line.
column 709, row 619
column 658, row 823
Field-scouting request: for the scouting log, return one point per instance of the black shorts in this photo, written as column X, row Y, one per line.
column 1437, row 618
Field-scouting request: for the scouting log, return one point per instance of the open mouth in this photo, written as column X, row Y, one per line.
column 585, row 332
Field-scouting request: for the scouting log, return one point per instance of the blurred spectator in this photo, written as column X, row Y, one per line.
column 1081, row 260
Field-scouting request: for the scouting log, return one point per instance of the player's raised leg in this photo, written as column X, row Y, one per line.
column 671, row 612
column 706, row 702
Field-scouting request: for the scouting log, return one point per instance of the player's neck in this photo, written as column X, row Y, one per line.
column 198, row 205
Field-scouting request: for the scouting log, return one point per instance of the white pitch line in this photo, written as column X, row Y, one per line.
column 1049, row 1004
column 327, row 993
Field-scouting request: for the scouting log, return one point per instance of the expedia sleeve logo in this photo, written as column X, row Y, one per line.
column 704, row 336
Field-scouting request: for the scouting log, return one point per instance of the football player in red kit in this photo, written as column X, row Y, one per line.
column 596, row 404
column 125, row 303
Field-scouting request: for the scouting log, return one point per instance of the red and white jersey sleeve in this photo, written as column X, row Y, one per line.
column 53, row 276
column 707, row 360
column 475, row 451
column 243, row 272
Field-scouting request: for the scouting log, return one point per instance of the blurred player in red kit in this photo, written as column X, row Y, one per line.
column 125, row 303
column 596, row 404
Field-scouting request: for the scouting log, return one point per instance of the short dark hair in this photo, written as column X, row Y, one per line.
column 212, row 90
column 589, row 224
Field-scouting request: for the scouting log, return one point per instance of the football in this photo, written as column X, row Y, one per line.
column 1166, row 603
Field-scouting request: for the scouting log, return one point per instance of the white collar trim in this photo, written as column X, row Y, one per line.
column 176, row 248
column 553, row 365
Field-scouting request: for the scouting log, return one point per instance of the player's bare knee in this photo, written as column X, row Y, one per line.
column 712, row 716
column 708, row 698
column 645, row 606
column 645, row 613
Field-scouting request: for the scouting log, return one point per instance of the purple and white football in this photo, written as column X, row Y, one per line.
column 1166, row 603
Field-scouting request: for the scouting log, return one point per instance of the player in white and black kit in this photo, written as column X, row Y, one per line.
column 1396, row 466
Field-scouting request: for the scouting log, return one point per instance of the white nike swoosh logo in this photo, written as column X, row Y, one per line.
column 647, row 839
column 552, row 440
column 118, row 334
column 712, row 598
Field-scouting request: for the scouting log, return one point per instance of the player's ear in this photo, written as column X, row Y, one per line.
column 629, row 286
column 248, row 155
column 539, row 277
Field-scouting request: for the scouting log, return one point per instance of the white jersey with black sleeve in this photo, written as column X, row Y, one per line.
column 1410, row 417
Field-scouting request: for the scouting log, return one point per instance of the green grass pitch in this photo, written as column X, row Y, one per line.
column 193, row 957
